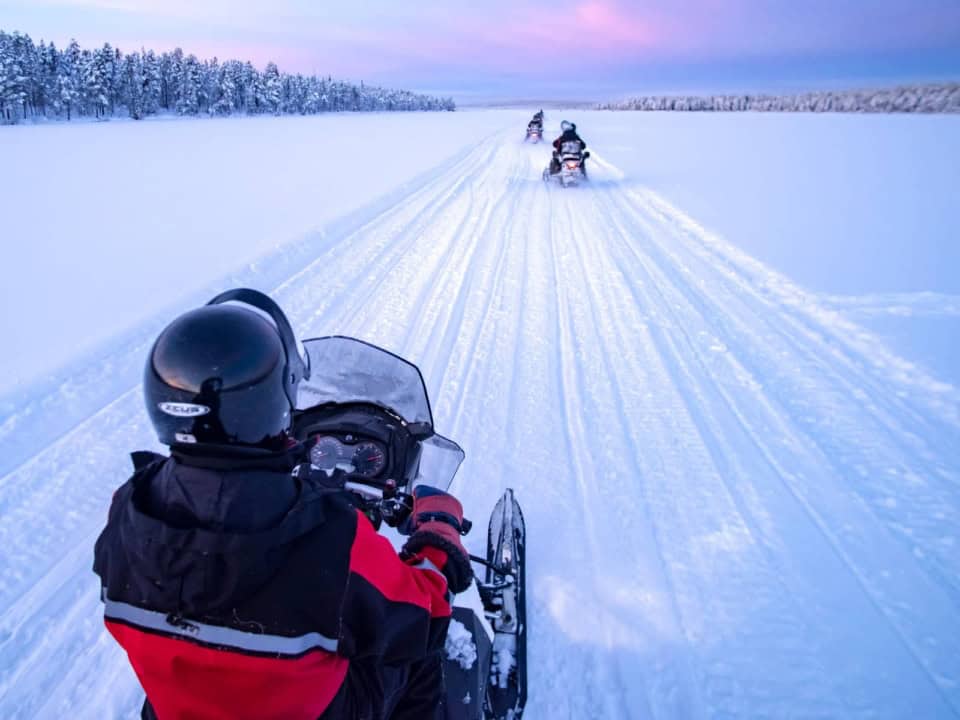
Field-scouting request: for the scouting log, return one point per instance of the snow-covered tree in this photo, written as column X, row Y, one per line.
column 272, row 89
column 97, row 74
column 15, row 78
column 207, row 92
column 152, row 83
column 252, row 90
column 188, row 97
column 920, row 98
column 134, row 85
column 46, row 98
column 226, row 92
column 39, row 80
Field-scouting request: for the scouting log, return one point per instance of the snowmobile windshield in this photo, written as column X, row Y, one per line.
column 440, row 459
column 347, row 370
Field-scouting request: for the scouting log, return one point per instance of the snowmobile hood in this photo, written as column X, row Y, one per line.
column 200, row 537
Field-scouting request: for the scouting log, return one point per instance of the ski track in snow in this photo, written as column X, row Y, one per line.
column 738, row 503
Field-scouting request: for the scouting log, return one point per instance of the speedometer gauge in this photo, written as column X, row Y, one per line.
column 325, row 454
column 369, row 459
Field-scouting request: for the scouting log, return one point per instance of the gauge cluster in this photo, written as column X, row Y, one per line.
column 366, row 458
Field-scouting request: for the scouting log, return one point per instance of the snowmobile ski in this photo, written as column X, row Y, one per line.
column 504, row 598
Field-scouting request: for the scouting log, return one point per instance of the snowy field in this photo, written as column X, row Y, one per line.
column 742, row 487
column 865, row 211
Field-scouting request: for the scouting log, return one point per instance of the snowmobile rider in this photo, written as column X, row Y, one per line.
column 243, row 584
column 569, row 135
column 536, row 124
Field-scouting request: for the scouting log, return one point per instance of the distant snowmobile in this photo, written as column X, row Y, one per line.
column 485, row 669
column 535, row 128
column 567, row 166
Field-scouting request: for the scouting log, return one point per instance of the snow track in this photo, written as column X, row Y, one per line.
column 738, row 503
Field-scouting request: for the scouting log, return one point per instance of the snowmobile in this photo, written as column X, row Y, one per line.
column 368, row 417
column 568, row 169
column 534, row 133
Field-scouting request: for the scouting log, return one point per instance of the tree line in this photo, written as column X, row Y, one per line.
column 40, row 81
column 934, row 98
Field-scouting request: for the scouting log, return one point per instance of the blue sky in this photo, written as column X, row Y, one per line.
column 569, row 49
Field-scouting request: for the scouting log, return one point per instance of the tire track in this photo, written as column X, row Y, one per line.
column 102, row 470
column 617, row 496
column 840, row 430
column 706, row 537
column 935, row 665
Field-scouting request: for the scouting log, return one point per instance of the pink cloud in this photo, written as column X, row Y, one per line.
column 604, row 30
column 605, row 22
column 508, row 39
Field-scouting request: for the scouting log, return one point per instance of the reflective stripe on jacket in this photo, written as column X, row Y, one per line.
column 239, row 591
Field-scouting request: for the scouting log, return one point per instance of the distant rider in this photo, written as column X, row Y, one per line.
column 565, row 143
column 239, row 585
column 536, row 124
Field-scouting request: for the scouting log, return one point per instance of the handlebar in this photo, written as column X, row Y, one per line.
column 394, row 509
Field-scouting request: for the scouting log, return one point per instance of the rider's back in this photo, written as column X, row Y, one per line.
column 569, row 141
column 239, row 591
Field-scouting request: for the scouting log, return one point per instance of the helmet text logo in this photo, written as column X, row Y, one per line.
column 183, row 409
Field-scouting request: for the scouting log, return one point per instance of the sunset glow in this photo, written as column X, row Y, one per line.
column 462, row 44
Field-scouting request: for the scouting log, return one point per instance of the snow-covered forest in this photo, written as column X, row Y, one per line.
column 907, row 99
column 40, row 81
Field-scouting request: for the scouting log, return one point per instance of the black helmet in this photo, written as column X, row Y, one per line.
column 225, row 374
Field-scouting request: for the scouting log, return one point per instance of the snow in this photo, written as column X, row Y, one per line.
column 844, row 204
column 741, row 497
column 861, row 208
column 460, row 646
column 107, row 224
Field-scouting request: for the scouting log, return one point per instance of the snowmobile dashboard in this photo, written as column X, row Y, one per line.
column 367, row 413
column 365, row 457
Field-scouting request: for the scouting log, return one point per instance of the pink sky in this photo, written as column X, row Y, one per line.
column 387, row 40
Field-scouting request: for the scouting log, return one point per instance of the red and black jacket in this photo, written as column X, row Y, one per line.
column 239, row 591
